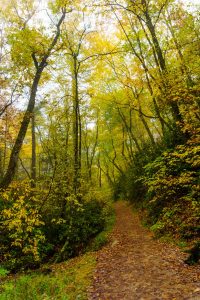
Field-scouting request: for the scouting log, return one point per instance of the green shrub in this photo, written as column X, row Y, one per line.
column 36, row 227
column 80, row 219
column 3, row 272
column 173, row 191
column 102, row 238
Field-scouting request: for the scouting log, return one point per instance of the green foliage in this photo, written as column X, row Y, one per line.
column 102, row 238
column 26, row 42
column 57, row 5
column 33, row 232
column 3, row 272
column 68, row 281
column 165, row 181
column 82, row 222
column 74, row 221
column 131, row 184
column 173, row 191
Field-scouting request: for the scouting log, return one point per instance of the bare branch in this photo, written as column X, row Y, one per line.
column 4, row 108
column 100, row 54
column 22, row 164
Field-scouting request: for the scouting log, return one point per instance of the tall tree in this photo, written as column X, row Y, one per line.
column 39, row 68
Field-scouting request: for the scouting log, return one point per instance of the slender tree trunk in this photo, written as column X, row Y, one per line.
column 80, row 138
column 174, row 106
column 147, row 129
column 128, row 159
column 8, row 177
column 184, row 68
column 76, row 128
column 100, row 180
column 39, row 166
column 129, row 131
column 33, row 158
column 5, row 143
column 163, row 123
column 21, row 135
column 99, row 172
column 94, row 148
column 113, row 159
column 156, row 44
column 1, row 163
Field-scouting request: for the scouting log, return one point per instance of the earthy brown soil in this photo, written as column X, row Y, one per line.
column 134, row 266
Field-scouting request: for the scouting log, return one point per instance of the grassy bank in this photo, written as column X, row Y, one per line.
column 68, row 280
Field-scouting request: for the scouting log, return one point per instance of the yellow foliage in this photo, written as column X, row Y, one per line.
column 20, row 220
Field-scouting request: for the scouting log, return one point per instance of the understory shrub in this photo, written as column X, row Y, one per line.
column 173, row 196
column 83, row 218
column 20, row 226
column 37, row 226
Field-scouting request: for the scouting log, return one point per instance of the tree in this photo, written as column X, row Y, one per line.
column 40, row 63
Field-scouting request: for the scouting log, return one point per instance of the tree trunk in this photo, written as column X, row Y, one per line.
column 156, row 44
column 99, row 171
column 80, row 139
column 5, row 144
column 174, row 106
column 33, row 158
column 21, row 135
column 8, row 177
column 147, row 129
column 129, row 131
column 76, row 128
column 184, row 68
column 1, row 163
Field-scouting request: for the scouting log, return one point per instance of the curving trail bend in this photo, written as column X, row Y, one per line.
column 134, row 266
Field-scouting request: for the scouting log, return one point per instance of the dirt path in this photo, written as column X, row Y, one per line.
column 133, row 266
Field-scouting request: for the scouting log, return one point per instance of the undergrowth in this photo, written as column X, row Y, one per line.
column 68, row 280
column 102, row 238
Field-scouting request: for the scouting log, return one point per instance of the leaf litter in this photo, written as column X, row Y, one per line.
column 135, row 266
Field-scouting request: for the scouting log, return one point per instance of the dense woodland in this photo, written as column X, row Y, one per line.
column 99, row 100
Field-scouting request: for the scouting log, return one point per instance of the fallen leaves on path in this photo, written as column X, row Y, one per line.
column 134, row 266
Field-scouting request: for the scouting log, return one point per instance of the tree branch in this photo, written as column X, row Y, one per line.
column 27, row 173
column 35, row 60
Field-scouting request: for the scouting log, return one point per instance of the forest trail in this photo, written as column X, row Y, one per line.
column 134, row 266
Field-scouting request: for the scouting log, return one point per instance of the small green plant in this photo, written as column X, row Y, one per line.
column 3, row 272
